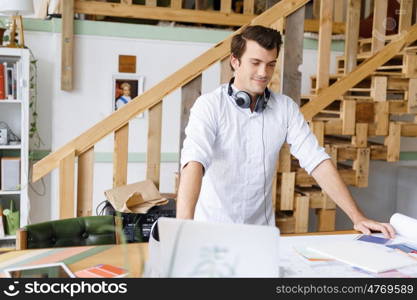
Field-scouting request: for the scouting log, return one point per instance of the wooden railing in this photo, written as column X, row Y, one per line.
column 118, row 123
column 176, row 12
column 189, row 79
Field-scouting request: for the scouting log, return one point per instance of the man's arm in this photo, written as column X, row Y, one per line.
column 330, row 181
column 189, row 189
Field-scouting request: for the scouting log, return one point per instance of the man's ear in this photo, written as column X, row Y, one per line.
column 234, row 62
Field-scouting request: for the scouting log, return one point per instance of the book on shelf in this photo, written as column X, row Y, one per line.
column 6, row 83
column 8, row 80
column 10, row 83
column 2, row 83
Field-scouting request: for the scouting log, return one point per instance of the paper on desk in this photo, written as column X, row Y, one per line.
column 368, row 256
column 310, row 255
column 405, row 226
column 294, row 265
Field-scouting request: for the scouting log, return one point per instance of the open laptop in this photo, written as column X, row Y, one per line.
column 201, row 249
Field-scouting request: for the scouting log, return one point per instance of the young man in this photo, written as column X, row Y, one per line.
column 233, row 139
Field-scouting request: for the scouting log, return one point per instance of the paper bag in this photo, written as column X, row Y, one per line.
column 12, row 219
column 2, row 232
column 137, row 197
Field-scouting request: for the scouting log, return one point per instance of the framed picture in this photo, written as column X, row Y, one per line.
column 52, row 270
column 125, row 88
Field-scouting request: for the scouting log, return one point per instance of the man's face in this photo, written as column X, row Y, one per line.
column 255, row 69
column 126, row 91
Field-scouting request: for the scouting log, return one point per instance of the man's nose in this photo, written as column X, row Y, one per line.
column 262, row 71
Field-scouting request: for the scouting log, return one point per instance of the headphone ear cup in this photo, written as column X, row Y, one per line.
column 243, row 99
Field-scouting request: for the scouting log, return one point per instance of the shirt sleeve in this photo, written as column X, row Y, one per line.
column 303, row 143
column 200, row 134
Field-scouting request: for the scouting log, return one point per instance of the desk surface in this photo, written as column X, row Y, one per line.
column 133, row 256
column 128, row 256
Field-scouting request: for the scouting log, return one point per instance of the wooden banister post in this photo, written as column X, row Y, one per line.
column 276, row 80
column 316, row 9
column 176, row 4
column 66, row 186
column 325, row 41
column 67, row 45
column 301, row 211
column 21, row 239
column 120, row 156
column 362, row 167
column 293, row 54
column 201, row 4
column 226, row 6
column 225, row 70
column 85, row 183
column 378, row 27
column 406, row 12
column 352, row 35
column 248, row 7
column 339, row 10
column 153, row 153
column 151, row 3
column 190, row 92
column 349, row 117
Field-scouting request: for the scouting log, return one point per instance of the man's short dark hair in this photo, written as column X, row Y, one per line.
column 268, row 38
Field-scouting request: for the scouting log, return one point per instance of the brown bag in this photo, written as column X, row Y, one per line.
column 137, row 197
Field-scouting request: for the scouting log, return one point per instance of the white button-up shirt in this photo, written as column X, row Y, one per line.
column 239, row 150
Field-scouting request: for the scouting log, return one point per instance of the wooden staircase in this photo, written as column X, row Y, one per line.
column 341, row 120
column 381, row 103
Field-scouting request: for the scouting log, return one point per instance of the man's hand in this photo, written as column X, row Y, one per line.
column 365, row 226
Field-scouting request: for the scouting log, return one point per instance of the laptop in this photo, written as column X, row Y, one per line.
column 190, row 248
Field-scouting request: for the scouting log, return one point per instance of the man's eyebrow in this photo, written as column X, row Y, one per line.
column 258, row 60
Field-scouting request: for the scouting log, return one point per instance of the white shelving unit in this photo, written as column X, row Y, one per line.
column 10, row 192
column 15, row 112
column 4, row 147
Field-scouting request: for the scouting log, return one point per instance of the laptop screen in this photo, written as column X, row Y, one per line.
column 203, row 249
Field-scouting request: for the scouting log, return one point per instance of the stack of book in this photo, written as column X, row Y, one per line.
column 8, row 75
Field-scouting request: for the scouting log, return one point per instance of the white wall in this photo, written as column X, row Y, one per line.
column 388, row 192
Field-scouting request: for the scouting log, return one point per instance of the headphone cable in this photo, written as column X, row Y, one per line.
column 263, row 160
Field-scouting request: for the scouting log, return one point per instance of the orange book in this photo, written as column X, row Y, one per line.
column 2, row 90
column 102, row 271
